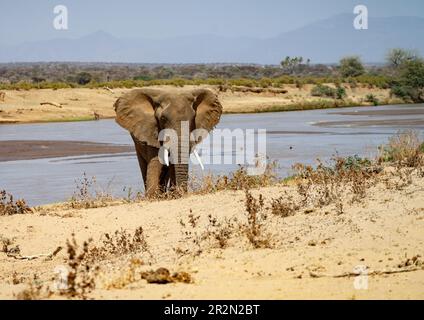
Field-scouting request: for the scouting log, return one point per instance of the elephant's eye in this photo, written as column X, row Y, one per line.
column 163, row 119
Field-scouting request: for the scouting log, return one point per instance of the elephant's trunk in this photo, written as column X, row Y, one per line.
column 181, row 176
column 181, row 168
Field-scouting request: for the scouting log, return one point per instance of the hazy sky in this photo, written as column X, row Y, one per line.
column 23, row 20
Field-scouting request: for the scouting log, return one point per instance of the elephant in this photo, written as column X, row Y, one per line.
column 146, row 113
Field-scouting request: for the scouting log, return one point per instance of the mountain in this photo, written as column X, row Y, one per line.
column 324, row 41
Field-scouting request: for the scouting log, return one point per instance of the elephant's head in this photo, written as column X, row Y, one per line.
column 146, row 112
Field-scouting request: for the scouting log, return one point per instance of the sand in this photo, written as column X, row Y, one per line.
column 11, row 150
column 310, row 249
column 82, row 104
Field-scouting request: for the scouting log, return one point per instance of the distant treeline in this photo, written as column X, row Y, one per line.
column 84, row 73
column 403, row 73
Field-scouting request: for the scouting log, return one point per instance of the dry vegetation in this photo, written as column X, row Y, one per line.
column 87, row 194
column 9, row 206
column 123, row 260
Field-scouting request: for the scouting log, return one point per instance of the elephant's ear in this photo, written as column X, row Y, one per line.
column 208, row 109
column 135, row 111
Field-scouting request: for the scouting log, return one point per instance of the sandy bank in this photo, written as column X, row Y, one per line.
column 84, row 104
column 312, row 255
column 11, row 150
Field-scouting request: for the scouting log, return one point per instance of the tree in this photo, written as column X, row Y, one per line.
column 351, row 67
column 411, row 81
column 412, row 73
column 83, row 78
column 291, row 64
column 397, row 57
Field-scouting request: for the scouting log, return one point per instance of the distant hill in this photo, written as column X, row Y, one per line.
column 324, row 41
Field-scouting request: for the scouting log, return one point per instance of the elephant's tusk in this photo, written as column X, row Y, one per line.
column 198, row 159
column 166, row 157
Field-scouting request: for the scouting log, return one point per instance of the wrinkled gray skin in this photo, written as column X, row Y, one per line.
column 145, row 112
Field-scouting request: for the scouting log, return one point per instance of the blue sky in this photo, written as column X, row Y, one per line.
column 23, row 20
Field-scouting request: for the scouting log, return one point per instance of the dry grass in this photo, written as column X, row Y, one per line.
column 342, row 181
column 325, row 185
column 81, row 276
column 83, row 264
column 218, row 232
column 87, row 194
column 405, row 148
column 114, row 245
column 7, row 245
column 238, row 180
column 35, row 290
column 9, row 206
column 256, row 220
column 284, row 206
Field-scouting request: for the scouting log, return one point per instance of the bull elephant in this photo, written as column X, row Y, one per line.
column 146, row 112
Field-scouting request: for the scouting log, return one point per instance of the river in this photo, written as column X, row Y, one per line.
column 298, row 136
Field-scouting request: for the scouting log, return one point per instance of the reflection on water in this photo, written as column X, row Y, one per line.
column 300, row 136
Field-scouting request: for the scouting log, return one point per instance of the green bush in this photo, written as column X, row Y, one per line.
column 351, row 67
column 372, row 99
column 411, row 81
column 323, row 91
column 340, row 92
column 413, row 74
column 355, row 162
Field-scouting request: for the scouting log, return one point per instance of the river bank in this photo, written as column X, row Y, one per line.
column 82, row 104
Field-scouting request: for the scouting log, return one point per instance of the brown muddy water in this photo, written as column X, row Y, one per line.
column 41, row 162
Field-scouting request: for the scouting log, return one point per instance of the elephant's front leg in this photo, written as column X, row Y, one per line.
column 153, row 181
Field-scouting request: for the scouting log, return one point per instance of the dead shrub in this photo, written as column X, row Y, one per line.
column 84, row 262
column 87, row 194
column 326, row 185
column 284, row 206
column 405, row 148
column 220, row 231
column 318, row 187
column 118, row 244
column 35, row 290
column 192, row 237
column 195, row 240
column 8, row 206
column 8, row 246
column 256, row 219
column 128, row 276
column 238, row 180
column 81, row 276
column 401, row 178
